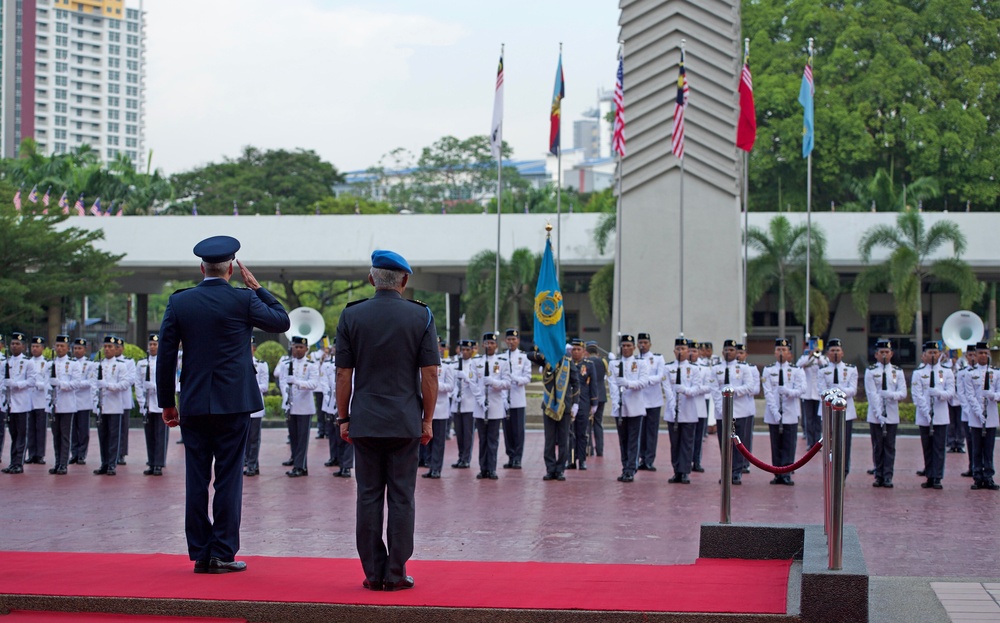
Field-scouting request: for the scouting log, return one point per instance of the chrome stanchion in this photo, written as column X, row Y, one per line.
column 727, row 453
column 838, row 426
column 825, row 454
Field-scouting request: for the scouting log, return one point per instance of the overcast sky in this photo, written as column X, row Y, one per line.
column 354, row 80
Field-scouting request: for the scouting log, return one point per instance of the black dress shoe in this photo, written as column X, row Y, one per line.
column 787, row 480
column 508, row 465
column 977, row 485
column 549, row 476
column 343, row 473
column 376, row 585
column 121, row 462
column 675, row 479
column 147, row 472
column 288, row 463
column 685, row 480
column 250, row 472
column 870, row 472
column 989, row 484
column 72, row 461
column 921, row 472
column 746, row 470
column 201, row 566
column 888, row 483
column 13, row 469
column 878, row 483
column 403, row 584
column 429, row 474
column 328, row 463
column 967, row 474
column 111, row 472
column 560, row 477
column 81, row 461
column 52, row 470
column 321, row 436
column 698, row 468
column 776, row 480
column 928, row 484
column 651, row 468
column 220, row 566
column 737, row 480
column 101, row 470
column 435, row 474
column 642, row 467
column 960, row 450
column 571, row 465
column 492, row 476
column 481, row 475
column 583, row 466
column 422, row 463
column 157, row 471
column 297, row 472
column 937, row 484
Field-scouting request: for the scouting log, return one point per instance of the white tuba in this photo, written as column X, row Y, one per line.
column 961, row 329
column 306, row 322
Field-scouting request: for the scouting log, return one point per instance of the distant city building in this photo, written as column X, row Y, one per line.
column 593, row 133
column 72, row 72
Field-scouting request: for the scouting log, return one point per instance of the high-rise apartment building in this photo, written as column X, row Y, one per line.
column 72, row 73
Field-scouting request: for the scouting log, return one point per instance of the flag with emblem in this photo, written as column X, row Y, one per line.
column 555, row 115
column 680, row 105
column 46, row 197
column 550, row 335
column 806, row 92
column 63, row 203
column 79, row 206
column 33, row 195
column 95, row 209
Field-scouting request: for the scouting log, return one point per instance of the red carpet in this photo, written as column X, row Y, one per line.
column 28, row 616
column 749, row 586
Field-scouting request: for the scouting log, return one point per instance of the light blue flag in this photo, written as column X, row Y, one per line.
column 806, row 99
column 550, row 323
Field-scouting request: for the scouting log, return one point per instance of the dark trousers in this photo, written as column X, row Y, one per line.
column 699, row 437
column 123, row 434
column 221, row 439
column 848, row 437
column 581, row 430
column 556, row 435
column 932, row 441
column 629, row 433
column 61, row 425
column 812, row 425
column 782, row 444
column 109, row 428
column 513, row 434
column 343, row 451
column 597, row 429
column 649, row 435
column 489, row 444
column 981, row 450
column 322, row 425
column 423, row 454
column 463, row 435
column 439, row 430
column 956, row 429
column 157, row 433
column 80, row 435
column 743, row 427
column 883, row 450
column 36, row 433
column 968, row 442
column 386, row 476
column 327, row 425
column 298, row 434
column 251, row 458
column 3, row 431
column 18, row 425
column 683, row 436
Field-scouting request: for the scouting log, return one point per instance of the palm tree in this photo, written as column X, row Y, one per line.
column 518, row 277
column 780, row 265
column 904, row 272
column 881, row 192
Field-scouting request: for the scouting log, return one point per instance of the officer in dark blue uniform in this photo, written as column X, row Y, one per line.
column 214, row 321
column 387, row 361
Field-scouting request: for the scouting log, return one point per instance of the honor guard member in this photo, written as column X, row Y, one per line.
column 84, row 392
column 730, row 372
column 842, row 376
column 424, row 451
column 885, row 386
column 470, row 395
column 695, row 357
column 586, row 401
column 4, row 397
column 628, row 377
column 688, row 389
column 519, row 375
column 41, row 403
column 556, row 424
column 321, row 356
column 20, row 385
column 114, row 386
column 983, row 394
column 155, row 429
column 64, row 377
column 741, row 356
column 297, row 379
column 130, row 400
column 932, row 386
column 961, row 390
column 251, row 462
column 810, row 363
column 653, row 395
column 601, row 370
column 955, row 440
column 784, row 384
column 439, row 424
column 495, row 382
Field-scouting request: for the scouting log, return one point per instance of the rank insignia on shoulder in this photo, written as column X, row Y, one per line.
column 421, row 303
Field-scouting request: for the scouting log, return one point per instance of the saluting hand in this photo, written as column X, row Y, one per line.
column 247, row 276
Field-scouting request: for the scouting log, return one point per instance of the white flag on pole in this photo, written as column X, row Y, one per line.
column 496, row 132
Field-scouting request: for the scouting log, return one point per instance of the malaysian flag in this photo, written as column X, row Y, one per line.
column 46, row 197
column 746, row 127
column 63, row 203
column 806, row 92
column 496, row 130
column 17, row 199
column 677, row 137
column 96, row 208
column 112, row 208
column 33, row 195
column 618, row 136
column 79, row 206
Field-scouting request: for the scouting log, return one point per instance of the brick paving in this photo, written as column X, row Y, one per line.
column 906, row 531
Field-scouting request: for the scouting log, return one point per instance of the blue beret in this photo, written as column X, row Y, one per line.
column 217, row 249
column 390, row 260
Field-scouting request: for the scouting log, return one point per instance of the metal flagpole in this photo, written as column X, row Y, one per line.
column 559, row 188
column 680, row 246
column 618, row 250
column 496, row 284
column 746, row 234
column 809, row 177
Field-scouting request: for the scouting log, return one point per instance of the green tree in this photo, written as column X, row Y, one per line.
column 910, row 245
column 880, row 191
column 602, row 292
column 780, row 267
column 518, row 277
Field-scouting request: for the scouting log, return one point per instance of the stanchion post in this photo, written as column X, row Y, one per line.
column 728, row 393
column 838, row 425
column 825, row 454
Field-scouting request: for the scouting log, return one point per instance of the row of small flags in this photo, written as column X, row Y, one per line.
column 78, row 207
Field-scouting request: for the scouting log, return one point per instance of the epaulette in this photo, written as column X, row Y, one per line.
column 657, row 355
column 355, row 303
column 792, row 365
column 921, row 366
column 874, row 366
column 421, row 303
column 181, row 290
column 849, row 365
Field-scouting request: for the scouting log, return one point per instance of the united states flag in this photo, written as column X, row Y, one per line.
column 618, row 136
column 679, row 106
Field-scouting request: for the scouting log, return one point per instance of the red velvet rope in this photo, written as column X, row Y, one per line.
column 784, row 469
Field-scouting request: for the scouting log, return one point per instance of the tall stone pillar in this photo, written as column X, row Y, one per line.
column 649, row 227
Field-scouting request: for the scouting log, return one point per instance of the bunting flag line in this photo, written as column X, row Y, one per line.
column 496, row 130
column 677, row 136
column 618, row 135
column 558, row 93
column 746, row 127
column 806, row 92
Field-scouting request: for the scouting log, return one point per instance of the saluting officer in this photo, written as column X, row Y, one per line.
column 653, row 395
column 63, row 380
column 730, row 372
column 470, row 394
column 932, row 386
column 40, row 402
column 155, row 429
column 20, row 385
column 842, row 376
column 84, row 393
column 518, row 375
column 115, row 386
column 784, row 384
column 689, row 390
column 297, row 380
column 983, row 394
column 885, row 386
column 495, row 382
column 251, row 461
column 586, row 401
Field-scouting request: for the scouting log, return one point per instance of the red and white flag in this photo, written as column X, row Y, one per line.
column 746, row 127
column 680, row 105
column 618, row 135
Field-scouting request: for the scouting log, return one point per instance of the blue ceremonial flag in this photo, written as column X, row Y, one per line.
column 550, row 324
column 806, row 99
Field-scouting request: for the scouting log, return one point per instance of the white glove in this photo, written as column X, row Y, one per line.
column 574, row 409
column 593, row 409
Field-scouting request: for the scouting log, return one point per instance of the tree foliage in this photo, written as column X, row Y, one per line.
column 518, row 277
column 911, row 87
